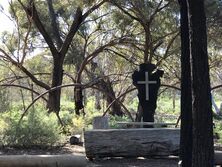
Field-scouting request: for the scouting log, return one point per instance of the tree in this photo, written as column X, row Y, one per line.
column 57, row 44
column 154, row 20
column 203, row 150
column 186, row 97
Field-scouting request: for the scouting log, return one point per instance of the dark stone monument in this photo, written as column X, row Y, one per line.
column 147, row 81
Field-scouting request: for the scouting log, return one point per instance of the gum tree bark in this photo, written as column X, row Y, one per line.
column 203, row 150
column 186, row 95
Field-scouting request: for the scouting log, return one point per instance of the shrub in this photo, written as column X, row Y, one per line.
column 114, row 119
column 218, row 130
column 36, row 129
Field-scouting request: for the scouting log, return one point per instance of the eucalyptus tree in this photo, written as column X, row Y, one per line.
column 53, row 34
column 157, row 22
column 95, row 58
column 203, row 147
column 197, row 123
column 93, row 41
column 155, row 32
column 186, row 137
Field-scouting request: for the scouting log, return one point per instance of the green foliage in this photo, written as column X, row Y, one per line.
column 75, row 124
column 36, row 129
column 39, row 63
column 114, row 119
column 218, row 130
column 165, row 104
column 79, row 123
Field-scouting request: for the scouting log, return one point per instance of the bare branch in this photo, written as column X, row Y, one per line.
column 158, row 9
column 121, row 55
column 79, row 18
column 167, row 49
column 54, row 25
column 48, row 91
column 216, row 87
column 93, row 9
column 26, row 42
column 127, row 13
column 23, row 69
column 73, row 29
column 23, row 87
column 117, row 99
column 33, row 14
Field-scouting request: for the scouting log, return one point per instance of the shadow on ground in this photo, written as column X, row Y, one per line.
column 132, row 162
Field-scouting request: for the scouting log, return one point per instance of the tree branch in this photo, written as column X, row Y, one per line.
column 127, row 13
column 93, row 8
column 74, row 28
column 23, row 87
column 23, row 69
column 33, row 14
column 54, row 24
column 79, row 18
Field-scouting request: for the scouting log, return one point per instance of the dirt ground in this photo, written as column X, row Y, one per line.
column 105, row 162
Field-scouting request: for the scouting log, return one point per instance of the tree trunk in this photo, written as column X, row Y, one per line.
column 78, row 92
column 147, row 46
column 203, row 151
column 97, row 100
column 110, row 96
column 174, row 100
column 139, row 113
column 78, row 97
column 57, row 77
column 186, row 95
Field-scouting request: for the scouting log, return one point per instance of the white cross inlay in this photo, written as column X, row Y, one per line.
column 146, row 83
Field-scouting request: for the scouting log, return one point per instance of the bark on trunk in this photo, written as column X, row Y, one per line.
column 203, row 152
column 139, row 113
column 78, row 97
column 110, row 96
column 186, row 95
column 57, row 77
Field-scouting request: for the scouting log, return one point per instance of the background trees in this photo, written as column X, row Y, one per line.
column 98, row 42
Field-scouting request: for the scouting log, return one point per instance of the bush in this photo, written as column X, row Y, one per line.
column 114, row 119
column 218, row 130
column 36, row 129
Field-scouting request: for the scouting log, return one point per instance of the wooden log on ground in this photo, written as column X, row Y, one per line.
column 218, row 157
column 141, row 124
column 42, row 161
column 131, row 142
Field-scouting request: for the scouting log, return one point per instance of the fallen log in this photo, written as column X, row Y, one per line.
column 131, row 142
column 218, row 157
